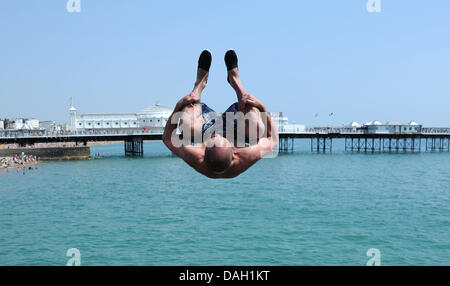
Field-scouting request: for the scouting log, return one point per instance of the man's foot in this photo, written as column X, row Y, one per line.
column 204, row 63
column 231, row 61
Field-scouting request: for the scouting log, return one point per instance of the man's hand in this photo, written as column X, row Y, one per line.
column 191, row 98
column 248, row 100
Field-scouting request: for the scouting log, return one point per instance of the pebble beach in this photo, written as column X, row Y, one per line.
column 18, row 161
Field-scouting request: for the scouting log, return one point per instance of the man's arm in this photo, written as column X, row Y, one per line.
column 269, row 142
column 170, row 138
column 192, row 155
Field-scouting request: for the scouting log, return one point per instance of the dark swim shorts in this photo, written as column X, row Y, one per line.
column 211, row 117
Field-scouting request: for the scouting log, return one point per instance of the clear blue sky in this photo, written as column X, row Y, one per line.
column 300, row 57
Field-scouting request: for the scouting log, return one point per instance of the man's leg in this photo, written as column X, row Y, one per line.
column 192, row 114
column 252, row 114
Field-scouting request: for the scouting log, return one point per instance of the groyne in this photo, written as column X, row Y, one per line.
column 50, row 153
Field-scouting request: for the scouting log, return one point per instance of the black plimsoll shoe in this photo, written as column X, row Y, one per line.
column 231, row 61
column 204, row 61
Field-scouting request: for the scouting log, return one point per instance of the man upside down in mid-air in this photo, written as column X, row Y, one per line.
column 220, row 145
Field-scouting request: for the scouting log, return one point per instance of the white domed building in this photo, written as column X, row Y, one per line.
column 148, row 120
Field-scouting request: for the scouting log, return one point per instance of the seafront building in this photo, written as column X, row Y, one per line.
column 48, row 125
column 31, row 127
column 23, row 124
column 19, row 126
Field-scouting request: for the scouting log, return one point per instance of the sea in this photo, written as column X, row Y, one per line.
column 299, row 208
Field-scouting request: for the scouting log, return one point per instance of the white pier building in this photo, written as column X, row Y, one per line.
column 283, row 124
column 392, row 127
column 149, row 120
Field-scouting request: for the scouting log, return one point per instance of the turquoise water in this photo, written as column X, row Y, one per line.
column 296, row 209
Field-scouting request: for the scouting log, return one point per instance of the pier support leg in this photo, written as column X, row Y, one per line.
column 287, row 144
column 321, row 144
column 134, row 147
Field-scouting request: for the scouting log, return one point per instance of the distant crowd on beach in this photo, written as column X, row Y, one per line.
column 18, row 161
column 58, row 145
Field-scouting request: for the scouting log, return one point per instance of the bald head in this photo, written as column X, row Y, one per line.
column 218, row 154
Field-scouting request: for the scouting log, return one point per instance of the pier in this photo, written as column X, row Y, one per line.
column 363, row 142
column 428, row 140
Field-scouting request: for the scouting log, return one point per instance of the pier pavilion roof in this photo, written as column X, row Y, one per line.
column 354, row 124
column 156, row 111
column 375, row 122
column 394, row 123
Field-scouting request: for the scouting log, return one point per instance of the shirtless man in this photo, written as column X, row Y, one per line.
column 215, row 156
